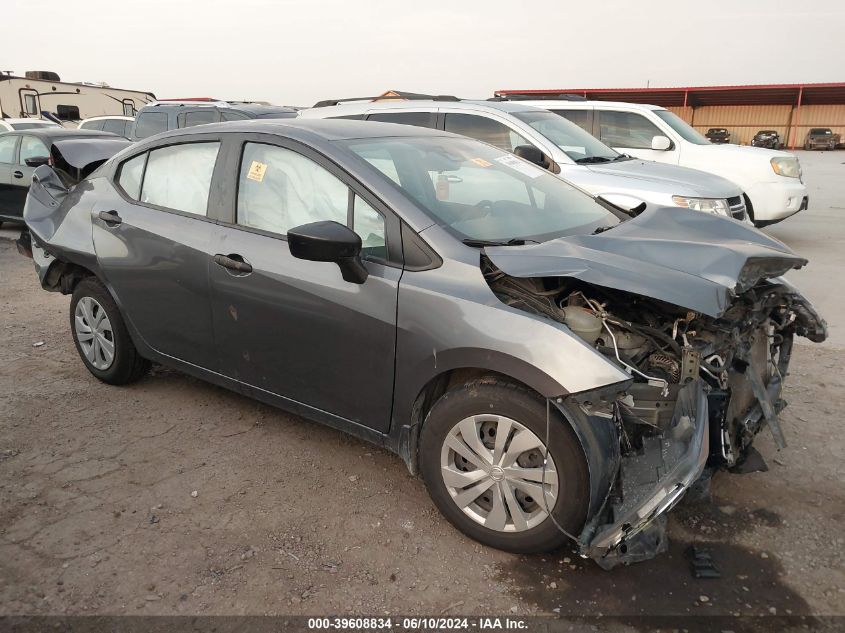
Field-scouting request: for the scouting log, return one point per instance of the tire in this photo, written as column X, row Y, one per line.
column 91, row 304
column 474, row 406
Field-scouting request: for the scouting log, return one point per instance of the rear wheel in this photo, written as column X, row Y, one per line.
column 483, row 458
column 101, row 337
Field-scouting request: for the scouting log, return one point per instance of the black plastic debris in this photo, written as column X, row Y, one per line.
column 752, row 463
column 701, row 562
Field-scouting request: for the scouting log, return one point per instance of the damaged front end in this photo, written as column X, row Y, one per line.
column 703, row 385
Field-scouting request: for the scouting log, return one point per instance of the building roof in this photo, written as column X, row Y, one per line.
column 763, row 94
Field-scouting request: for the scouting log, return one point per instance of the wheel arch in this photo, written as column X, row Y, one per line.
column 597, row 436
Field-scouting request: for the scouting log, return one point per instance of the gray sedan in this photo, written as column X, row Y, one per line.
column 554, row 367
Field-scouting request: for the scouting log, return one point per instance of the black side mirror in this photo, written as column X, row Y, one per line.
column 37, row 161
column 531, row 154
column 329, row 241
column 534, row 155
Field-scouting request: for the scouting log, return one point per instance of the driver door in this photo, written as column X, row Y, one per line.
column 295, row 328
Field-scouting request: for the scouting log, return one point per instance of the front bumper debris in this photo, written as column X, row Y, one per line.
column 653, row 480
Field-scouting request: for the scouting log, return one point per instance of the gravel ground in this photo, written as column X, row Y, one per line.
column 172, row 496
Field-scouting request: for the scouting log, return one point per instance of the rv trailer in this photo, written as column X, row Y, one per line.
column 41, row 94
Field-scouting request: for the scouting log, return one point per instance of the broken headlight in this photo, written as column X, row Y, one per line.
column 719, row 206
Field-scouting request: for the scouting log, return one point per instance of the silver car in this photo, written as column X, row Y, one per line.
column 552, row 366
column 556, row 144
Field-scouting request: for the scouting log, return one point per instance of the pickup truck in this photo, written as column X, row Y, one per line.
column 821, row 138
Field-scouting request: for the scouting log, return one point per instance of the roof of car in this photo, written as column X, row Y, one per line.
column 326, row 129
column 54, row 133
column 421, row 104
column 552, row 103
column 256, row 109
column 109, row 116
column 29, row 120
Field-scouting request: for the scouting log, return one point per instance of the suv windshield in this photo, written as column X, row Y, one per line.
column 574, row 141
column 687, row 132
column 479, row 192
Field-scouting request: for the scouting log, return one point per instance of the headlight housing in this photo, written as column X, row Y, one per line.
column 719, row 206
column 786, row 166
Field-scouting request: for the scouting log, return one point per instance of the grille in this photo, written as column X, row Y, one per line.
column 737, row 206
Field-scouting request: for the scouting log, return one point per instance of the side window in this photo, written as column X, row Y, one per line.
column 32, row 147
column 7, row 149
column 232, row 116
column 179, row 177
column 68, row 112
column 581, row 118
column 197, row 117
column 116, row 126
column 353, row 117
column 279, row 189
column 485, row 129
column 93, row 125
column 369, row 224
column 626, row 129
column 420, row 119
column 131, row 175
column 149, row 123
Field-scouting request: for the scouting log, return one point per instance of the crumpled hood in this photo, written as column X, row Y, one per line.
column 681, row 181
column 691, row 259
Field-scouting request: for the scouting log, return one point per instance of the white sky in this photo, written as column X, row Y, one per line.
column 299, row 51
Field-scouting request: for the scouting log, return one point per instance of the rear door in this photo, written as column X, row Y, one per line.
column 295, row 328
column 8, row 160
column 30, row 148
column 153, row 240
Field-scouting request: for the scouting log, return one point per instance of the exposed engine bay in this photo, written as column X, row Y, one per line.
column 735, row 364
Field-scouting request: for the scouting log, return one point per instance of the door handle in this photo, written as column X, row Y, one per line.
column 233, row 262
column 111, row 218
column 18, row 174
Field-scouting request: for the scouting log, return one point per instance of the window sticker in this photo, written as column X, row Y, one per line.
column 480, row 162
column 256, row 171
column 520, row 165
column 442, row 187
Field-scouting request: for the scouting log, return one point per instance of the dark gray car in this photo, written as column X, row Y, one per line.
column 551, row 366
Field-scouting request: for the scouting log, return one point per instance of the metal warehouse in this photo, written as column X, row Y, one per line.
column 789, row 109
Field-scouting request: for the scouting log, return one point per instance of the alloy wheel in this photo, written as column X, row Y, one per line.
column 493, row 468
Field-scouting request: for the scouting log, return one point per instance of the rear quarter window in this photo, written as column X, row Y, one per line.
column 149, row 123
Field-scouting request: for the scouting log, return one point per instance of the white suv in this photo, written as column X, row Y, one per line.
column 771, row 179
column 568, row 150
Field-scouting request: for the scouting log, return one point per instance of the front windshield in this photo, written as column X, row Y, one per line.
column 479, row 192
column 576, row 143
column 683, row 128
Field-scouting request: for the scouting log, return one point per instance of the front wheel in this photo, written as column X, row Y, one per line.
column 101, row 337
column 488, row 467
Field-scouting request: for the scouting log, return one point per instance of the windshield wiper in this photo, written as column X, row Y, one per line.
column 602, row 229
column 623, row 157
column 594, row 159
column 514, row 241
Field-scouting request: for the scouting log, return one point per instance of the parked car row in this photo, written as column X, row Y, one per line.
column 555, row 365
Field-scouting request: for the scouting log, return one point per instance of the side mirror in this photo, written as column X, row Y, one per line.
column 534, row 155
column 329, row 241
column 660, row 143
column 37, row 161
column 531, row 154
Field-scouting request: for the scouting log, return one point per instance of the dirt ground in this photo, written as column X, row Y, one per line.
column 172, row 496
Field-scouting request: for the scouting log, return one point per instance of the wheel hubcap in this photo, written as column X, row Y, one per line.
column 94, row 333
column 492, row 467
